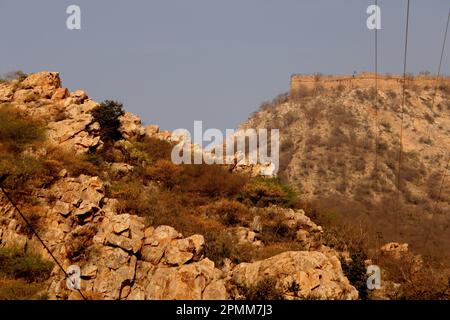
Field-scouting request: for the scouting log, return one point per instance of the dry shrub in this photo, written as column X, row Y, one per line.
column 228, row 212
column 164, row 172
column 315, row 112
column 211, row 181
column 262, row 192
column 265, row 289
column 274, row 228
column 220, row 245
column 132, row 196
column 286, row 154
column 19, row 131
column 337, row 138
column 444, row 87
column 80, row 240
column 340, row 116
column 268, row 105
column 22, row 290
column 148, row 150
column 418, row 279
column 76, row 165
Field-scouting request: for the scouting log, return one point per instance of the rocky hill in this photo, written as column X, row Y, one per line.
column 340, row 149
column 100, row 190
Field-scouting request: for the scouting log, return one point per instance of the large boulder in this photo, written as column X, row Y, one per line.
column 131, row 126
column 187, row 282
column 299, row 274
column 6, row 92
column 43, row 83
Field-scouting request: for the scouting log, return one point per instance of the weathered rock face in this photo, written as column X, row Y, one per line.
column 43, row 80
column 187, row 282
column 44, row 84
column 68, row 115
column 6, row 92
column 314, row 274
column 131, row 126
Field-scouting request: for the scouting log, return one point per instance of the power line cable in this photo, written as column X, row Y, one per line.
column 36, row 234
column 438, row 74
column 400, row 154
column 377, row 134
column 444, row 175
column 440, row 62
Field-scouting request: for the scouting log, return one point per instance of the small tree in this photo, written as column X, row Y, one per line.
column 107, row 115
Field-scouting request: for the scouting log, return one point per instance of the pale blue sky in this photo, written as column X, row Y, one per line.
column 176, row 61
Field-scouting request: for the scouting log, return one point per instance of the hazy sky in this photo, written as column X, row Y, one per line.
column 176, row 61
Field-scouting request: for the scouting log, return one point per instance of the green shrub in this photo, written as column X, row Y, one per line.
column 220, row 245
column 153, row 149
column 261, row 191
column 107, row 115
column 276, row 230
column 23, row 172
column 228, row 212
column 164, row 172
column 18, row 132
column 19, row 265
column 355, row 271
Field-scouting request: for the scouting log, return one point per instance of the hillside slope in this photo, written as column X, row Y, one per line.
column 329, row 152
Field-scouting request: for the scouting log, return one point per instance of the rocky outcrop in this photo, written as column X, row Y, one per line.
column 131, row 126
column 301, row 275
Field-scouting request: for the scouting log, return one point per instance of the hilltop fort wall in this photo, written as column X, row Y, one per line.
column 301, row 83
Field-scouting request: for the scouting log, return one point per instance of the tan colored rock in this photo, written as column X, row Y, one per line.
column 120, row 242
column 153, row 254
column 246, row 236
column 62, row 208
column 137, row 293
column 6, row 92
column 114, row 258
column 121, row 167
column 165, row 233
column 42, row 79
column 131, row 126
column 148, row 232
column 60, row 94
column 26, row 95
column 151, row 130
column 120, row 227
column 78, row 97
column 43, row 84
column 89, row 271
column 317, row 275
column 256, row 224
column 216, row 290
column 110, row 283
column 186, row 282
column 174, row 256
